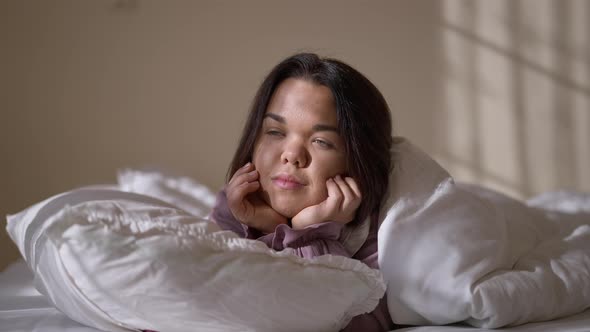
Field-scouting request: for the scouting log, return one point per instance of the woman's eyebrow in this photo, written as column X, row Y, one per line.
column 275, row 117
column 321, row 127
column 317, row 127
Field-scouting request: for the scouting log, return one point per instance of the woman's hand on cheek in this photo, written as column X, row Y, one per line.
column 344, row 198
column 245, row 204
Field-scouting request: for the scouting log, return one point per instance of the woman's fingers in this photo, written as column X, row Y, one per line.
column 243, row 176
column 349, row 189
column 243, row 182
column 353, row 186
column 346, row 194
column 245, row 188
column 246, row 168
column 238, row 203
column 335, row 197
column 239, row 175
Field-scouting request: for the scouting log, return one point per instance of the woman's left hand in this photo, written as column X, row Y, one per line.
column 344, row 198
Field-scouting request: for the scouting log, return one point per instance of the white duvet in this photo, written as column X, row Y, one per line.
column 452, row 252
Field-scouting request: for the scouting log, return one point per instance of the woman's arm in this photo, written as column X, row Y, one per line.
column 313, row 240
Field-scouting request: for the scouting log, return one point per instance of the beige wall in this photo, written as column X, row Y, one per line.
column 497, row 91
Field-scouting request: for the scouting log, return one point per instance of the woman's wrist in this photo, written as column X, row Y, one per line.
column 302, row 221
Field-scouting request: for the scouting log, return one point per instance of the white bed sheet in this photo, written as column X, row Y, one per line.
column 23, row 309
column 574, row 323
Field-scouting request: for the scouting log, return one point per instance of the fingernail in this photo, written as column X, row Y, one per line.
column 247, row 164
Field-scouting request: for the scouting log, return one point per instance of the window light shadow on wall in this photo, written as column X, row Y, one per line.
column 516, row 93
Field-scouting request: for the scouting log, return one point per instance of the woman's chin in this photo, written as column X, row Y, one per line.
column 287, row 212
column 287, row 209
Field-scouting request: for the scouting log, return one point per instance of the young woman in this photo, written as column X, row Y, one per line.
column 312, row 166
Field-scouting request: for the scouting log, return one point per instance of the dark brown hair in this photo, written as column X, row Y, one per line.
column 364, row 121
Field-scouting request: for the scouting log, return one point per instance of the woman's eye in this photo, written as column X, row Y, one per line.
column 323, row 144
column 273, row 132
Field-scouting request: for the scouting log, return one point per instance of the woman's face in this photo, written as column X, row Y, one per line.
column 298, row 147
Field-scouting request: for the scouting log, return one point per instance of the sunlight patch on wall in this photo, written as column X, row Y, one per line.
column 580, row 73
column 516, row 94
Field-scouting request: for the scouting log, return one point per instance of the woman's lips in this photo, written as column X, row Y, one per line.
column 286, row 182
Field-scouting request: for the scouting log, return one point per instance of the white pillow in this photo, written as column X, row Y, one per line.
column 562, row 201
column 183, row 192
column 115, row 261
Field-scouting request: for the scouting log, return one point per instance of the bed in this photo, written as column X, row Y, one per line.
column 22, row 309
column 141, row 254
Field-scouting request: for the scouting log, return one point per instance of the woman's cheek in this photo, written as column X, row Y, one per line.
column 258, row 158
column 261, row 164
column 322, row 190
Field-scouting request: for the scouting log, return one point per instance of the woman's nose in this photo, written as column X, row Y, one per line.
column 295, row 153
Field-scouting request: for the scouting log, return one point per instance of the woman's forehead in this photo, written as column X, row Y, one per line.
column 297, row 98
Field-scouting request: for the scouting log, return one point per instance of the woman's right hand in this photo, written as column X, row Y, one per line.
column 246, row 205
